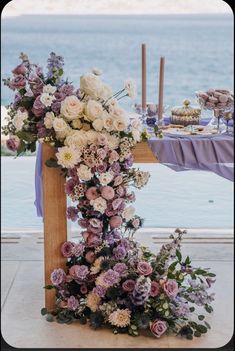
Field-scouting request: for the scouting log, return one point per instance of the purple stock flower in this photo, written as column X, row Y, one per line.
column 56, row 107
column 72, row 213
column 54, row 63
column 115, row 168
column 38, row 107
column 67, row 89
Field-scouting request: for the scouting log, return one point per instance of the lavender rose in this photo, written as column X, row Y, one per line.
column 13, row 143
column 58, row 276
column 171, row 288
column 111, row 277
column 79, row 272
column 128, row 285
column 144, row 268
column 67, row 249
column 72, row 303
column 119, row 252
column 18, row 82
column 158, row 328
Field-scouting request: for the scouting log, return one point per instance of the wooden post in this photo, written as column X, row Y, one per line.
column 55, row 221
column 143, row 154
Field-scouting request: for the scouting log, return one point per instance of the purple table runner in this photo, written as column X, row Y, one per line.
column 214, row 154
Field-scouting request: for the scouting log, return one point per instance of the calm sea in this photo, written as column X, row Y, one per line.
column 199, row 55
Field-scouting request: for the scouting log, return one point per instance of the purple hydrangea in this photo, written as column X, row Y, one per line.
column 121, row 268
column 99, row 290
column 119, row 252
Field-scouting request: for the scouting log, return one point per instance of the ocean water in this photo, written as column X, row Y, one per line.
column 199, row 54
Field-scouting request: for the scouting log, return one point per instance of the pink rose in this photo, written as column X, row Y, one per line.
column 158, row 328
column 171, row 288
column 84, row 223
column 18, row 82
column 20, row 69
column 85, row 234
column 58, row 276
column 93, row 240
column 102, row 139
column 91, row 193
column 90, row 256
column 144, row 268
column 136, row 223
column 67, row 249
column 13, row 143
column 107, row 192
column 78, row 272
column 155, row 288
column 78, row 250
column 113, row 157
column 128, row 285
column 63, row 304
column 115, row 222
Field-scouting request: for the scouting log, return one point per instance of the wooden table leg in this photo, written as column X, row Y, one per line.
column 143, row 154
column 55, row 221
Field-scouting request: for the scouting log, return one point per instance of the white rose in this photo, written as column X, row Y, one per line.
column 108, row 122
column 19, row 118
column 84, row 172
column 98, row 124
column 77, row 139
column 105, row 178
column 130, row 88
column 91, row 136
column 49, row 89
column 128, row 213
column 48, row 119
column 71, row 107
column 93, row 110
column 47, row 99
column 120, row 124
column 91, row 85
column 68, row 157
column 136, row 124
column 99, row 204
column 59, row 124
column 117, row 112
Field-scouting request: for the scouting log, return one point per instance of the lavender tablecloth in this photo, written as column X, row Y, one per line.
column 214, row 154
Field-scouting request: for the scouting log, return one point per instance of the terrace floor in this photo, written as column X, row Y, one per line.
column 22, row 294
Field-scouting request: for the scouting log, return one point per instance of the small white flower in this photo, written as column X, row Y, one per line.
column 67, row 157
column 84, row 172
column 49, row 89
column 99, row 204
column 128, row 213
column 130, row 88
column 105, row 178
column 47, row 99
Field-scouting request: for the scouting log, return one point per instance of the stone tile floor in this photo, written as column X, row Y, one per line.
column 22, row 295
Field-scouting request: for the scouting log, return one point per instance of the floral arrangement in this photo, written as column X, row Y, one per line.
column 110, row 279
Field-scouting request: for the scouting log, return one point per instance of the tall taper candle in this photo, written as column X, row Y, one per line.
column 143, row 76
column 161, row 88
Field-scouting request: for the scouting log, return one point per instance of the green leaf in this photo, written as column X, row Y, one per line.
column 187, row 261
column 43, row 311
column 49, row 287
column 179, row 256
column 33, row 147
column 211, row 275
column 21, row 148
column 208, row 308
column 201, row 317
column 200, row 271
column 192, row 309
column 49, row 317
column 60, row 72
column 52, row 163
column 201, row 328
column 172, row 266
column 26, row 136
column 189, row 337
column 197, row 334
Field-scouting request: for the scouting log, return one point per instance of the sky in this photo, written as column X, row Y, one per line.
column 76, row 7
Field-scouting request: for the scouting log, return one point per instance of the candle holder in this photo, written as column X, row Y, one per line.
column 149, row 116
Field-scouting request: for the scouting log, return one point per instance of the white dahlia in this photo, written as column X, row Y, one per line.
column 120, row 318
column 68, row 157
